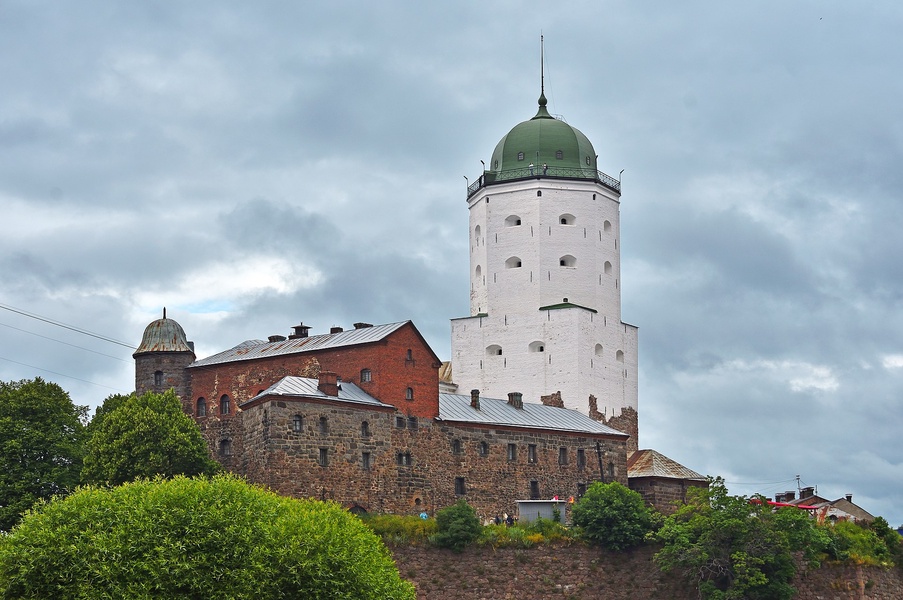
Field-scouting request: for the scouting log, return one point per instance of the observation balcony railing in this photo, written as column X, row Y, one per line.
column 539, row 172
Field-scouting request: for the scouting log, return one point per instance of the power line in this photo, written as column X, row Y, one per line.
column 62, row 342
column 63, row 375
column 65, row 326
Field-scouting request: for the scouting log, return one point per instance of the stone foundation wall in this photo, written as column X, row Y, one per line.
column 577, row 572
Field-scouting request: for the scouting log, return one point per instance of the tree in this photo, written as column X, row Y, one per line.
column 194, row 538
column 40, row 445
column 458, row 526
column 613, row 516
column 728, row 547
column 143, row 437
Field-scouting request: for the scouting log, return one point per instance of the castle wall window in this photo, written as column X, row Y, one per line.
column 225, row 447
column 611, row 471
column 581, row 459
column 484, row 449
column 409, row 394
column 460, row 488
column 323, row 458
column 403, row 459
column 559, row 154
column 562, row 456
column 619, row 356
column 323, row 425
column 399, row 422
column 537, row 346
column 297, row 423
column 520, row 156
column 531, row 453
column 365, row 429
column 365, row 461
column 512, row 451
column 366, row 376
column 409, row 356
column 225, row 405
column 201, row 407
column 512, row 221
column 534, row 490
column 581, row 490
column 567, row 219
column 567, row 261
column 513, row 263
column 158, row 378
column 494, row 350
column 412, row 422
column 607, row 268
column 456, row 447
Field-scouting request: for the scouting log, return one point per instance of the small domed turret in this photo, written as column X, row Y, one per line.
column 161, row 358
column 163, row 335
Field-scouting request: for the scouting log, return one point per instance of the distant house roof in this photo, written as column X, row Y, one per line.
column 307, row 387
column 255, row 349
column 457, row 408
column 649, row 463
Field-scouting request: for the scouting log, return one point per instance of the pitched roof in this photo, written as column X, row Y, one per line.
column 308, row 388
column 457, row 408
column 649, row 463
column 254, row 349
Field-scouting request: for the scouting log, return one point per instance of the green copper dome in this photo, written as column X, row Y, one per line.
column 544, row 140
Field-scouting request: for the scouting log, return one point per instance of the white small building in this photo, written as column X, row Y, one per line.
column 545, row 279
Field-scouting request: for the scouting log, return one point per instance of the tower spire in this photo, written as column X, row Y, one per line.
column 542, row 66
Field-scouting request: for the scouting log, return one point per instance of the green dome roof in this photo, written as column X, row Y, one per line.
column 545, row 140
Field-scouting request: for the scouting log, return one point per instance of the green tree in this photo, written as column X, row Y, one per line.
column 613, row 516
column 728, row 547
column 194, row 538
column 458, row 526
column 143, row 437
column 40, row 445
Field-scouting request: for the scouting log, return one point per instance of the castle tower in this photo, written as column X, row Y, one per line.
column 545, row 272
column 161, row 359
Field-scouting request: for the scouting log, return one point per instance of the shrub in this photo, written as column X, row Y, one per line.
column 194, row 538
column 613, row 516
column 457, row 525
column 401, row 529
column 859, row 543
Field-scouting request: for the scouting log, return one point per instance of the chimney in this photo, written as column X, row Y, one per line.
column 807, row 492
column 362, row 325
column 191, row 345
column 475, row 399
column 335, row 330
column 516, row 399
column 788, row 496
column 849, row 497
column 328, row 383
column 276, row 338
column 300, row 331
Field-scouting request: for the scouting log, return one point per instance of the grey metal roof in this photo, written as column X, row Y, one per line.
column 456, row 407
column 307, row 387
column 650, row 463
column 253, row 349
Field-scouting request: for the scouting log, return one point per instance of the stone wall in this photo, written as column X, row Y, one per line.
column 576, row 572
column 664, row 494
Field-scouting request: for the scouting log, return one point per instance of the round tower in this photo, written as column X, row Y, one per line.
column 161, row 359
column 545, row 278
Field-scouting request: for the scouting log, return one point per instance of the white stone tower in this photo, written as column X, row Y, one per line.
column 545, row 273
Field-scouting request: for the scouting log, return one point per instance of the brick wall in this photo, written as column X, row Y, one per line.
column 663, row 494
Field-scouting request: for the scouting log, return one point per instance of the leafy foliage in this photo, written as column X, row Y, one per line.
column 729, row 548
column 861, row 544
column 458, row 526
column 144, row 436
column 401, row 528
column 613, row 516
column 40, row 445
column 194, row 538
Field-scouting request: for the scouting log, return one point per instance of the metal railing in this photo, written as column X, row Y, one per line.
column 491, row 177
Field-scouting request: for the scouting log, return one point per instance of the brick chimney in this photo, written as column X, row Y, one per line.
column 475, row 399
column 335, row 330
column 849, row 497
column 300, row 331
column 516, row 399
column 807, row 492
column 328, row 383
column 788, row 496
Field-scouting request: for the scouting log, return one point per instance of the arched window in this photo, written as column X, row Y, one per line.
column 606, row 226
column 512, row 221
column 297, row 423
column 484, row 449
column 567, row 219
column 225, row 405
column 619, row 356
column 324, row 425
column 537, row 346
column 476, row 235
column 365, row 429
column 366, row 376
column 494, row 350
column 225, row 447
column 158, row 378
column 201, row 407
column 456, row 446
column 598, row 350
column 409, row 394
column 409, row 355
column 607, row 268
column 513, row 263
column 567, row 261
column 478, row 273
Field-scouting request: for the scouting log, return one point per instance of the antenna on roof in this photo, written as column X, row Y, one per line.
column 542, row 65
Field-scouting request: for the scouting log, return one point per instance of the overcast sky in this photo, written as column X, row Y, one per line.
column 253, row 165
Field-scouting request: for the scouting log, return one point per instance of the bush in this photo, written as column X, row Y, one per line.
column 859, row 544
column 458, row 526
column 194, row 538
column 613, row 516
column 401, row 529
